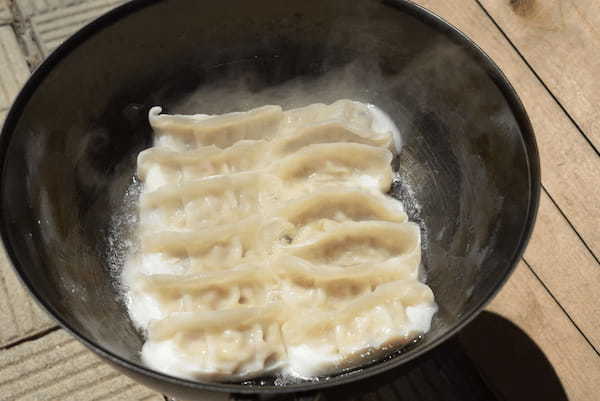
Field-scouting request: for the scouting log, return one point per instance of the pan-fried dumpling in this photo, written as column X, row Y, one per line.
column 232, row 343
column 322, row 210
column 352, row 114
column 158, row 295
column 160, row 166
column 358, row 243
column 180, row 132
column 330, row 132
column 215, row 249
column 328, row 287
column 267, row 244
column 207, row 202
column 324, row 342
column 351, row 163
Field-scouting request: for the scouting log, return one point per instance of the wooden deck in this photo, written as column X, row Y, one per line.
column 538, row 339
column 549, row 50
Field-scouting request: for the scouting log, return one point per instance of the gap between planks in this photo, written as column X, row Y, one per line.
column 570, row 179
column 561, row 307
column 541, row 321
column 561, row 40
column 570, row 163
column 537, row 76
column 32, row 337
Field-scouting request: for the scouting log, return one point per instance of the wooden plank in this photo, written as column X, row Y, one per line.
column 567, row 269
column 57, row 367
column 54, row 27
column 561, row 41
column 20, row 317
column 570, row 166
column 538, row 353
column 5, row 13
column 34, row 7
column 13, row 68
column 571, row 171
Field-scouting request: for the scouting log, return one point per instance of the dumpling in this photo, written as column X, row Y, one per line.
column 323, row 342
column 329, row 132
column 181, row 132
column 330, row 287
column 213, row 249
column 360, row 117
column 340, row 163
column 266, row 244
column 208, row 202
column 352, row 114
column 322, row 210
column 162, row 294
column 160, row 166
column 359, row 243
column 232, row 343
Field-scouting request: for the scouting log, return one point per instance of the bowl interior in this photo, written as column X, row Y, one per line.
column 468, row 169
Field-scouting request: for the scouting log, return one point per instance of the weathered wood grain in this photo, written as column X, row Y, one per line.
column 560, row 39
column 567, row 268
column 571, row 175
column 570, row 166
column 525, row 303
column 58, row 368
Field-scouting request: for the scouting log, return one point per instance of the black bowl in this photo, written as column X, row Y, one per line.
column 469, row 168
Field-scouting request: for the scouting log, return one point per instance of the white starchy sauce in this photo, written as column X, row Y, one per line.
column 267, row 244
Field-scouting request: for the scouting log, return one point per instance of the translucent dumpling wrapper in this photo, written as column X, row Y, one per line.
column 323, row 342
column 330, row 132
column 181, row 132
column 163, row 294
column 322, row 210
column 349, row 163
column 160, row 166
column 216, row 249
column 209, row 202
column 234, row 343
column 357, row 243
column 267, row 244
column 326, row 287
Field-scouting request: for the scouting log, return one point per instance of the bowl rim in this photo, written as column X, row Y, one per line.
column 422, row 14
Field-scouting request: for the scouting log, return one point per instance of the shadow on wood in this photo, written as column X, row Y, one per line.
column 492, row 359
column 445, row 373
column 510, row 362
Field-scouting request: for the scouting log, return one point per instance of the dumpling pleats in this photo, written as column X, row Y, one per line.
column 267, row 244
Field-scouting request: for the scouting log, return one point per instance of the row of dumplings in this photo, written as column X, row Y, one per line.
column 267, row 244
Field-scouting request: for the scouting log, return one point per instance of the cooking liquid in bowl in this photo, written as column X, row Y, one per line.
column 267, row 245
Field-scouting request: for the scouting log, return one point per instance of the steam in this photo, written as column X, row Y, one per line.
column 248, row 91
